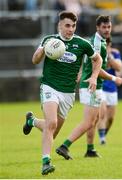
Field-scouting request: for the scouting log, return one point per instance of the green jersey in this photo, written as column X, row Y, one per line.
column 61, row 74
column 99, row 45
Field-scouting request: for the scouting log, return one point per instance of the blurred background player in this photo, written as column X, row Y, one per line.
column 91, row 101
column 110, row 95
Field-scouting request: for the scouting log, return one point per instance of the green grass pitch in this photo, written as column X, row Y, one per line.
column 20, row 155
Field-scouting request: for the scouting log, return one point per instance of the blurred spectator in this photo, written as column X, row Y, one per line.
column 85, row 18
column 117, row 27
column 31, row 5
column 59, row 5
column 3, row 4
column 108, row 4
column 24, row 4
column 73, row 6
column 87, row 5
column 14, row 5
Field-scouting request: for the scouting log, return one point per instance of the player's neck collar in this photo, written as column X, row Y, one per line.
column 99, row 36
column 64, row 38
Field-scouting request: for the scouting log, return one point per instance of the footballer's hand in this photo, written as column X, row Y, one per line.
column 92, row 84
column 118, row 81
column 38, row 55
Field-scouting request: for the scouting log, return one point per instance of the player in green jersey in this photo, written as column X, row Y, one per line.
column 58, row 83
column 91, row 100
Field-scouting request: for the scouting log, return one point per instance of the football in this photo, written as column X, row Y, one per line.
column 54, row 48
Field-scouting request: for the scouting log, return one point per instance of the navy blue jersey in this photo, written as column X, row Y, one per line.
column 110, row 86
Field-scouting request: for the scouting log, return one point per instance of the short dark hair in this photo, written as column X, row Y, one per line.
column 102, row 19
column 69, row 15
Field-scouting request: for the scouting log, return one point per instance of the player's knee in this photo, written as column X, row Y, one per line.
column 102, row 116
column 90, row 124
column 52, row 124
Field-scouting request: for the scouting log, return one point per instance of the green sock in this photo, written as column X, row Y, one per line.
column 30, row 122
column 45, row 160
column 67, row 143
column 90, row 147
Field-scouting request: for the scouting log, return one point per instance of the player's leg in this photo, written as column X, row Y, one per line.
column 55, row 107
column 110, row 117
column 112, row 101
column 87, row 123
column 102, row 122
column 107, row 114
column 91, row 152
column 32, row 121
column 60, row 122
column 50, row 116
column 55, row 115
column 48, row 128
column 91, row 103
column 66, row 101
column 39, row 124
column 83, row 126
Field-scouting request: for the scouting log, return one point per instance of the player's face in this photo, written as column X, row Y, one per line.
column 104, row 29
column 67, row 28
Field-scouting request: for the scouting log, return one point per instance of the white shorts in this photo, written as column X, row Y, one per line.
column 65, row 101
column 111, row 98
column 92, row 99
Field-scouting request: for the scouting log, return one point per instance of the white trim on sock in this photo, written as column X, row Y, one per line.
column 102, row 139
column 34, row 122
column 46, row 156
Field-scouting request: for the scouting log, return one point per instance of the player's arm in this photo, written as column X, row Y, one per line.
column 104, row 75
column 79, row 74
column 96, row 66
column 115, row 64
column 38, row 55
column 97, row 60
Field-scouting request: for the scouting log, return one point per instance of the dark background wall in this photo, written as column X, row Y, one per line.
column 20, row 34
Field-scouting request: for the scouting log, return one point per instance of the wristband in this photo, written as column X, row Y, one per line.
column 114, row 78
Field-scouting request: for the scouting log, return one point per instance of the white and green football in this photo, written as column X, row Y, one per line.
column 55, row 48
